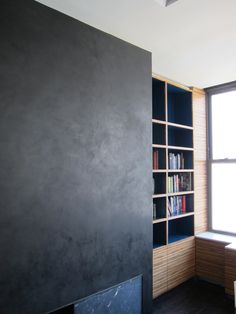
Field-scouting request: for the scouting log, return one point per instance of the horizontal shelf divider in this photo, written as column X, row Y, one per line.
column 180, row 216
column 159, row 121
column 158, row 195
column 176, row 238
column 180, row 148
column 171, row 170
column 180, row 126
column 158, row 146
column 159, row 170
column 181, row 193
column 180, row 170
column 158, row 246
column 156, row 221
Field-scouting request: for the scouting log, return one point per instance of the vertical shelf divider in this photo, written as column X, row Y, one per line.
column 166, row 116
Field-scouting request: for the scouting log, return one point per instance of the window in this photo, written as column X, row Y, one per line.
column 222, row 157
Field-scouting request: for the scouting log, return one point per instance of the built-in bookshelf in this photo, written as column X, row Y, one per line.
column 173, row 161
column 180, row 200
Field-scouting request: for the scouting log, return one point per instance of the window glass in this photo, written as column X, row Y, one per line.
column 224, row 125
column 223, row 197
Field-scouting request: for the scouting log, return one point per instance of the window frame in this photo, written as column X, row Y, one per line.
column 211, row 91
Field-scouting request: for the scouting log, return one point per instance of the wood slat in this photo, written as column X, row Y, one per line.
column 181, row 262
column 159, row 271
column 230, row 270
column 200, row 161
column 210, row 260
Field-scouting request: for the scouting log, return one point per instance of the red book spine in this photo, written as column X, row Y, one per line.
column 157, row 166
column 155, row 160
column 184, row 204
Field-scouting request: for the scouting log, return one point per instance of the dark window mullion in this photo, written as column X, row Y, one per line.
column 223, row 161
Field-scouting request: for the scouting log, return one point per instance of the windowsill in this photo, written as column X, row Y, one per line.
column 214, row 236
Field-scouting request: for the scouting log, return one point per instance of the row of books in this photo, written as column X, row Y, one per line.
column 176, row 205
column 155, row 160
column 176, row 161
column 180, row 183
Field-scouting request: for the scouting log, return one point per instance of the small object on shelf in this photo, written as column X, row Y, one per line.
column 184, row 204
column 154, row 211
column 155, row 160
column 176, row 161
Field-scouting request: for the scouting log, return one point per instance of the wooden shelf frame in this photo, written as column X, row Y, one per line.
column 174, row 262
column 165, row 264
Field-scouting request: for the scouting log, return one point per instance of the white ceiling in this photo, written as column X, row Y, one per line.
column 192, row 41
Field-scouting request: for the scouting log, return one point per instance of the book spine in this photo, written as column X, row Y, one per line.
column 182, row 161
column 184, row 204
column 157, row 164
column 169, row 208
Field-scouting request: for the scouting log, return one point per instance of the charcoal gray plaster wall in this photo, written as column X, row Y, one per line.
column 75, row 160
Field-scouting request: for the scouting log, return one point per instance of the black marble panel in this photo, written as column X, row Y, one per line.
column 125, row 298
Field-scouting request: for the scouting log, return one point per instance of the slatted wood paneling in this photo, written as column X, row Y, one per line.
column 210, row 260
column 200, row 160
column 159, row 271
column 181, row 262
column 230, row 268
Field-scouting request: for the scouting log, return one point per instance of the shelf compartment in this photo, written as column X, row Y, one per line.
column 159, row 134
column 180, row 137
column 185, row 159
column 159, row 183
column 158, row 100
column 180, row 182
column 179, row 229
column 159, row 208
column 159, row 159
column 179, row 102
column 180, row 205
column 159, row 234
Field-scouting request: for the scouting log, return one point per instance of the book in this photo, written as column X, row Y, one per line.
column 176, row 161
column 184, row 204
column 155, row 160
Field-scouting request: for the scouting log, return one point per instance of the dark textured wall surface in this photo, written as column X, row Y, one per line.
column 75, row 160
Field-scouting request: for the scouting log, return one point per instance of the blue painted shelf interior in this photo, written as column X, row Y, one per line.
column 158, row 100
column 179, row 229
column 159, row 234
column 179, row 105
